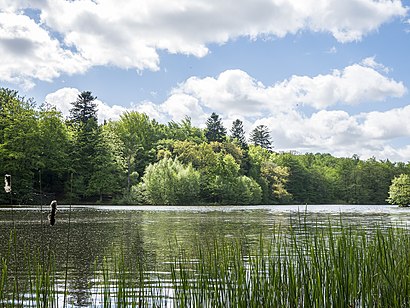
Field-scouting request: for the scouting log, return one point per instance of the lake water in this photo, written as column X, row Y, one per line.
column 149, row 233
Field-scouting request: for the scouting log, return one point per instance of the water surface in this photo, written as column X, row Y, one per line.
column 83, row 234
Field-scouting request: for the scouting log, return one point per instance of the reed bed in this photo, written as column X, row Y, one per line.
column 319, row 266
column 324, row 268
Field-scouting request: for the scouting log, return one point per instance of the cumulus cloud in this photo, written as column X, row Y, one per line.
column 180, row 105
column 337, row 132
column 234, row 91
column 63, row 98
column 388, row 124
column 234, row 94
column 354, row 84
column 350, row 20
column 28, row 52
column 71, row 36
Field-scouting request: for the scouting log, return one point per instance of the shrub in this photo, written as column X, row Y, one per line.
column 170, row 182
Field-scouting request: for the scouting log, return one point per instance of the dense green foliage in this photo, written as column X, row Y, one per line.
column 170, row 182
column 399, row 192
column 80, row 160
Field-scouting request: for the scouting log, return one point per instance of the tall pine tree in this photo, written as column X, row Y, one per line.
column 84, row 108
column 261, row 136
column 86, row 137
column 238, row 134
column 215, row 131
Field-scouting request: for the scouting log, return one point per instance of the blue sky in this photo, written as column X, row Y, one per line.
column 324, row 75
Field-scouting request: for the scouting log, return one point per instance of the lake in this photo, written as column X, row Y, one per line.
column 149, row 233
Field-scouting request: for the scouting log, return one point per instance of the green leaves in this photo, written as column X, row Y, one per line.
column 170, row 182
column 19, row 148
column 399, row 192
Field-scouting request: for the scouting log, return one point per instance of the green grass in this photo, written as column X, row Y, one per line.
column 322, row 266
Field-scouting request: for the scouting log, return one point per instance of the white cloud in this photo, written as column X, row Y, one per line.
column 180, row 105
column 129, row 34
column 152, row 110
column 371, row 62
column 350, row 20
column 234, row 91
column 323, row 130
column 106, row 112
column 390, row 124
column 337, row 132
column 63, row 98
column 28, row 52
column 352, row 85
column 234, row 94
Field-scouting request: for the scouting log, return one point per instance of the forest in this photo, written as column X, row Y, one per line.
column 136, row 160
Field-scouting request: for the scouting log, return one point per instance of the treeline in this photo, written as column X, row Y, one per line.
column 137, row 160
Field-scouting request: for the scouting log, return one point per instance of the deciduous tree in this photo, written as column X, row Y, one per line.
column 136, row 132
column 399, row 191
column 170, row 182
column 19, row 147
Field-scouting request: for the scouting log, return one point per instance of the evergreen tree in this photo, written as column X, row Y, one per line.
column 86, row 137
column 84, row 108
column 260, row 136
column 215, row 131
column 238, row 134
column 109, row 172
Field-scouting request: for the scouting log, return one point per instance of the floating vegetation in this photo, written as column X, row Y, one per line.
column 323, row 266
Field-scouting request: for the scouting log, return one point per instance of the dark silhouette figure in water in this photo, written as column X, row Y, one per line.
column 52, row 215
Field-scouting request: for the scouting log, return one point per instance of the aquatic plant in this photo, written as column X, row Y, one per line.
column 330, row 267
column 319, row 266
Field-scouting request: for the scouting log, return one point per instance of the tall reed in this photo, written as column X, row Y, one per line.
column 27, row 281
column 328, row 267
column 68, row 243
column 315, row 266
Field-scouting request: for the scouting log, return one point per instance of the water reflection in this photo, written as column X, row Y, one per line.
column 147, row 234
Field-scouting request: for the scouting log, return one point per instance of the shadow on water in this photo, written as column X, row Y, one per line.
column 93, row 235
